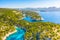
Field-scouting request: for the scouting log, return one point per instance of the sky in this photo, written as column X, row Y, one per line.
column 29, row 3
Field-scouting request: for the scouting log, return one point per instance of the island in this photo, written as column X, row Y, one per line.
column 12, row 18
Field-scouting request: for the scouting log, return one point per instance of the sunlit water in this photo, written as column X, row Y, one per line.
column 19, row 35
column 51, row 16
column 29, row 19
column 48, row 17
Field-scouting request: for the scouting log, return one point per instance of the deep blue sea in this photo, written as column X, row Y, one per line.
column 51, row 16
column 47, row 16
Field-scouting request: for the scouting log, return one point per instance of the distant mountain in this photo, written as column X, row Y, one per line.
column 41, row 9
column 50, row 9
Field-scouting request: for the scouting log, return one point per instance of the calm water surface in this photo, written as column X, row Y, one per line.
column 19, row 35
column 48, row 17
column 51, row 16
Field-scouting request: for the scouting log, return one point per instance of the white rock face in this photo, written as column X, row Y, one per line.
column 42, row 18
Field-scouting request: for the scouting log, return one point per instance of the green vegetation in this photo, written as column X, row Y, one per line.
column 33, row 15
column 5, row 29
column 11, row 17
column 45, row 30
column 8, row 19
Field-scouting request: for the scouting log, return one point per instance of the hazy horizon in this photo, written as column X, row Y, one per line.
column 29, row 3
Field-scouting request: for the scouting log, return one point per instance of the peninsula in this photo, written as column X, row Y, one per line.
column 9, row 18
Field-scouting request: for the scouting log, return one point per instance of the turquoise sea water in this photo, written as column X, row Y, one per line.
column 48, row 17
column 29, row 19
column 19, row 35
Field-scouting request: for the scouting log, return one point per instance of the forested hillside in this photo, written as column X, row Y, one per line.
column 9, row 18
